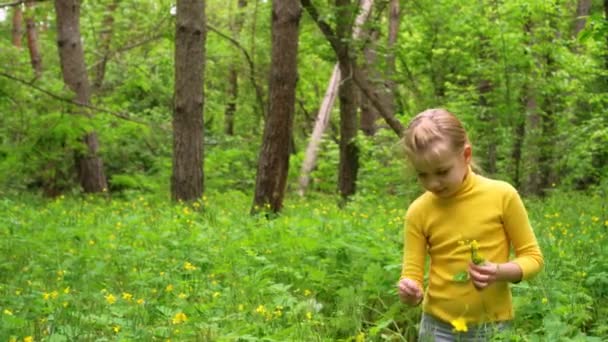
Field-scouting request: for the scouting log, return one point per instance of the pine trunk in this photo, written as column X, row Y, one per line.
column 273, row 162
column 187, row 178
column 17, row 31
column 89, row 164
column 32, row 40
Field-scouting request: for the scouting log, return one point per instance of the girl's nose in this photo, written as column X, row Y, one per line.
column 433, row 184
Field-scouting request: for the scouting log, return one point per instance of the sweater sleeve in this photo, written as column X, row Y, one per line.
column 527, row 252
column 414, row 250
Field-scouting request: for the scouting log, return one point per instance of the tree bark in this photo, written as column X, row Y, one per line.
column 391, row 69
column 369, row 113
column 325, row 110
column 516, row 153
column 273, row 162
column 89, row 164
column 32, row 40
column 532, row 143
column 488, row 120
column 320, row 124
column 606, row 49
column 233, row 76
column 582, row 12
column 188, row 177
column 233, row 93
column 17, row 31
column 358, row 72
column 106, row 33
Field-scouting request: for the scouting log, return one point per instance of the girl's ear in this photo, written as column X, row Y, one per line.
column 468, row 153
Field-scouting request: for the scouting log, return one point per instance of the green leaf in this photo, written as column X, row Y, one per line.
column 461, row 277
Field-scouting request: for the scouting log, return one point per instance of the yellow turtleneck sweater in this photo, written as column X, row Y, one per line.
column 488, row 211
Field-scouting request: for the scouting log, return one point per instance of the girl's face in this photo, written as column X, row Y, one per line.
column 443, row 173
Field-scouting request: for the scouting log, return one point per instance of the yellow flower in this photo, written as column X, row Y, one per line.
column 307, row 292
column 459, row 324
column 216, row 294
column 28, row 339
column 189, row 267
column 360, row 337
column 116, row 328
column 261, row 309
column 544, row 300
column 140, row 301
column 8, row 312
column 474, row 245
column 169, row 288
column 127, row 296
column 179, row 318
column 182, row 295
column 110, row 298
column 309, row 315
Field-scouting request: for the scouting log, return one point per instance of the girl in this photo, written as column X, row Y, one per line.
column 467, row 224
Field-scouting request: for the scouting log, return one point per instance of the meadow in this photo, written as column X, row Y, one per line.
column 137, row 268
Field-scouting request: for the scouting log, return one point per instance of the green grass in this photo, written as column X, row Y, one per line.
column 144, row 269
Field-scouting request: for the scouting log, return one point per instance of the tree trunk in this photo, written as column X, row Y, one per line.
column 328, row 101
column 320, row 124
column 190, row 35
column 532, row 143
column 349, row 151
column 391, row 69
column 273, row 162
column 516, row 154
column 89, row 164
column 358, row 72
column 551, row 106
column 17, row 31
column 369, row 113
column 233, row 76
column 233, row 93
column 32, row 40
column 582, row 12
column 489, row 124
column 106, row 33
column 606, row 49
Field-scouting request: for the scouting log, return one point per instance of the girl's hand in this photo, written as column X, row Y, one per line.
column 409, row 291
column 484, row 274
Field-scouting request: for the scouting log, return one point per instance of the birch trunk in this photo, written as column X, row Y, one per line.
column 322, row 120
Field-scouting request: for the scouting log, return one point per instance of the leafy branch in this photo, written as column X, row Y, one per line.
column 120, row 115
column 258, row 90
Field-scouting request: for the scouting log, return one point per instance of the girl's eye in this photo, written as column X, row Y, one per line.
column 442, row 172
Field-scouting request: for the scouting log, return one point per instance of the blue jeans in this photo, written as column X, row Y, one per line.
column 435, row 330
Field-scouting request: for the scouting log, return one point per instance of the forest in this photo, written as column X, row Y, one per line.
column 199, row 170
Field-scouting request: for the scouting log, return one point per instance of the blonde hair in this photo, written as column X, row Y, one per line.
column 433, row 130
